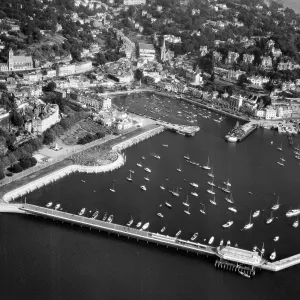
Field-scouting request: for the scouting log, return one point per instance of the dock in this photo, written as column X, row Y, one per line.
column 227, row 257
column 181, row 129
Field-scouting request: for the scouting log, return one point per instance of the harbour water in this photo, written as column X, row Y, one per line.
column 45, row 260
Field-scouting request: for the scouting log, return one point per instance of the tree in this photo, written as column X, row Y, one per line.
column 16, row 168
column 243, row 80
column 138, row 74
column 12, row 158
column 16, row 118
column 49, row 137
column 25, row 163
column 50, row 87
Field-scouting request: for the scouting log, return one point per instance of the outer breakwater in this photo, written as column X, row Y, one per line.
column 43, row 181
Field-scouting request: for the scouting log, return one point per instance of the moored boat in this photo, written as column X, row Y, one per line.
column 195, row 235
column 163, row 229
column 57, row 206
column 273, row 255
column 211, row 240
column 49, row 204
column 145, row 226
column 160, row 215
column 228, row 224
column 233, row 209
column 143, row 188
column 110, row 218
column 138, row 225
column 95, row 214
column 178, row 233
column 104, row 217
column 256, row 213
column 293, row 212
column 194, row 194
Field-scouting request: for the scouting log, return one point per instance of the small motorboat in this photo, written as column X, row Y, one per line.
column 139, row 164
column 57, row 206
column 130, row 222
column 193, row 184
column 256, row 213
column 244, row 274
column 162, row 187
column 83, row 181
column 273, row 255
column 228, row 224
column 143, row 188
column 143, row 157
column 195, row 235
column 178, row 233
column 194, row 194
column 147, row 170
column 138, row 225
column 233, row 209
column 228, row 243
column 49, row 204
column 110, row 218
column 104, row 217
column 296, row 223
column 163, row 229
column 276, row 239
column 160, row 215
column 211, row 240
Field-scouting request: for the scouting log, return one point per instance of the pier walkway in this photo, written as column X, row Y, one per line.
column 181, row 129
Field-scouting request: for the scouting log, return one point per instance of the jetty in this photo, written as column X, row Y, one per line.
column 181, row 129
column 227, row 257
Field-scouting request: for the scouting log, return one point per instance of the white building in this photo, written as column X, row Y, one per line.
column 146, row 51
column 47, row 119
column 270, row 113
column 134, row 2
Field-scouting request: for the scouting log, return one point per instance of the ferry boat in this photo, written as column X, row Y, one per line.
column 213, row 201
column 203, row 210
column 163, row 229
column 273, row 255
column 143, row 188
column 195, row 235
column 207, row 167
column 179, row 169
column 156, row 156
column 129, row 178
column 276, row 239
column 293, row 212
column 244, row 274
column 228, row 224
column 187, row 157
column 57, row 206
column 160, row 215
column 211, row 240
column 147, row 170
column 104, row 217
column 249, row 225
column 256, row 213
column 229, row 200
column 49, row 204
column 276, row 206
column 130, row 222
column 178, row 233
column 187, row 211
column 194, row 184
column 95, row 214
column 211, row 191
column 145, row 226
column 296, row 223
column 139, row 164
column 270, row 219
column 162, row 187
column 186, row 203
column 194, row 194
column 138, row 225
column 110, row 218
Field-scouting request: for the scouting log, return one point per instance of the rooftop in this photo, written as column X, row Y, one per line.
column 146, row 46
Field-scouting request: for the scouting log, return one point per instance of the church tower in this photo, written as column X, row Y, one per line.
column 11, row 60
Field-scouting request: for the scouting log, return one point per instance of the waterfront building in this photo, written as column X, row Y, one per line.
column 270, row 113
column 146, row 51
column 235, row 102
column 134, row 2
column 17, row 62
column 66, row 70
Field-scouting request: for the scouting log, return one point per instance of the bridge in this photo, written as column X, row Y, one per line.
column 181, row 129
column 231, row 258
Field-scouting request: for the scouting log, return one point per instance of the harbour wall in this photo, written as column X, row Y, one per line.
column 43, row 181
column 137, row 139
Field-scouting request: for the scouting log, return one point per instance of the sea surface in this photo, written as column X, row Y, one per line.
column 42, row 259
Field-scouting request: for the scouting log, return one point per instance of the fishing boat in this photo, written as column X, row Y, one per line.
column 233, row 209
column 187, row 211
column 256, row 213
column 195, row 235
column 113, row 188
column 57, row 206
column 143, row 188
column 147, row 177
column 179, row 169
column 104, row 217
column 130, row 222
column 249, row 225
column 273, row 255
column 270, row 219
column 145, row 226
column 276, row 239
column 211, row 240
column 213, row 201
column 186, row 203
column 178, row 233
column 229, row 200
column 228, row 224
column 194, row 194
column 280, row 148
column 211, row 183
column 160, row 215
column 110, row 218
column 139, row 164
column 211, row 191
column 203, row 209
column 195, row 185
column 293, row 212
column 138, row 225
column 296, row 223
column 176, row 194
column 207, row 167
column 129, row 178
column 187, row 157
column 276, row 206
column 162, row 187
column 49, row 204
column 227, row 182
column 211, row 174
column 221, row 243
column 95, row 214
column 163, row 229
column 147, row 170
column 244, row 274
column 83, row 181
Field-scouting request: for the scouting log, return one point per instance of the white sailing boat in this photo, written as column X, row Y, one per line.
column 187, row 157
column 228, row 224
column 207, row 167
column 139, row 224
column 211, row 240
column 213, row 201
column 129, row 178
column 211, row 183
column 280, row 163
column 203, row 209
column 186, row 203
column 49, row 204
column 276, row 239
column 211, row 174
column 143, row 188
column 276, row 206
column 187, row 211
column 256, row 213
column 194, row 194
column 280, row 148
column 113, row 188
column 139, row 164
column 162, row 187
column 179, row 169
column 227, row 182
column 130, row 222
column 81, row 212
column 57, row 206
column 168, row 204
column 145, row 226
column 270, row 219
column 249, row 225
column 233, row 209
column 273, row 255
column 296, row 223
column 293, row 212
column 211, row 191
column 176, row 194
column 146, row 177
column 221, row 243
column 193, row 184
column 229, row 200
column 147, row 170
